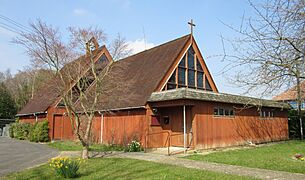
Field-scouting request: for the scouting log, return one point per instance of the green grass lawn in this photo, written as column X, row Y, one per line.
column 76, row 146
column 116, row 168
column 275, row 157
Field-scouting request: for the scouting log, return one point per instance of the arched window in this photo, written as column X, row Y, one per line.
column 189, row 73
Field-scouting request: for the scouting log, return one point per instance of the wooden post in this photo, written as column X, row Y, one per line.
column 36, row 118
column 184, row 129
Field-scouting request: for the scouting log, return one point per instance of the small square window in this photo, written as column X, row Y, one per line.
column 231, row 112
column 227, row 112
column 221, row 113
column 216, row 111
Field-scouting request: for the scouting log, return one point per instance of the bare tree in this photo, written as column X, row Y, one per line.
column 269, row 54
column 24, row 84
column 78, row 82
column 80, row 36
column 119, row 48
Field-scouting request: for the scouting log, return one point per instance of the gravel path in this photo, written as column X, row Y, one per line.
column 223, row 168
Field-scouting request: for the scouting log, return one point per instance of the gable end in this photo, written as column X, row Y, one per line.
column 188, row 70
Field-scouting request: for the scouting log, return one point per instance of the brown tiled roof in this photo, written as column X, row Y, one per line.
column 128, row 83
column 46, row 96
column 291, row 94
column 132, row 80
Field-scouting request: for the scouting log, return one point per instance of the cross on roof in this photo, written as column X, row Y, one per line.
column 192, row 25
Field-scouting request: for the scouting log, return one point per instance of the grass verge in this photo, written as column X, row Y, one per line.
column 75, row 146
column 278, row 157
column 117, row 168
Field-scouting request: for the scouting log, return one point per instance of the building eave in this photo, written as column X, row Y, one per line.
column 201, row 95
column 31, row 114
column 116, row 109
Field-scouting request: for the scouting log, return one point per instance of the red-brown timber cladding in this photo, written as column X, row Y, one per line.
column 124, row 126
column 209, row 131
column 32, row 119
column 246, row 125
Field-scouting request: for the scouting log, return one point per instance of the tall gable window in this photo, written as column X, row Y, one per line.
column 189, row 73
column 88, row 78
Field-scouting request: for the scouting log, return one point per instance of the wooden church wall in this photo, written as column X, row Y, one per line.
column 118, row 127
column 32, row 119
column 246, row 126
column 122, row 127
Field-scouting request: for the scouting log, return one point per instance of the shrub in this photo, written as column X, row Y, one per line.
column 37, row 132
column 21, row 131
column 134, row 146
column 11, row 130
column 294, row 124
column 65, row 167
column 40, row 132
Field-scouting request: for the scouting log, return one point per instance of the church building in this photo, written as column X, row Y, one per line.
column 165, row 97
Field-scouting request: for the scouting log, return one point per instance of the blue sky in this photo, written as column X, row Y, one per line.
column 161, row 20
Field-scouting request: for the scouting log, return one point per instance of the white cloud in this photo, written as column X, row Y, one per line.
column 139, row 45
column 80, row 12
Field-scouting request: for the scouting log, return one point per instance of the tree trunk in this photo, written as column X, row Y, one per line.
column 33, row 85
column 85, row 152
column 299, row 102
column 86, row 139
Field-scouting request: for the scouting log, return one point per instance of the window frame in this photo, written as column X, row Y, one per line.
column 266, row 114
column 224, row 109
column 184, row 67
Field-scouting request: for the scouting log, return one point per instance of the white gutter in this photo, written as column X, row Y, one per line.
column 118, row 109
column 32, row 113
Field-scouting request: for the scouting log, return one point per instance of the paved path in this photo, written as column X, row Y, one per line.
column 16, row 155
column 229, row 169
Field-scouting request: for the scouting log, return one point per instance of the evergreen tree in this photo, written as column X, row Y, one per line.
column 7, row 104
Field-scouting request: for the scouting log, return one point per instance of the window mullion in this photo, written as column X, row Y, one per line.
column 195, row 66
column 177, row 78
column 204, row 85
column 186, row 69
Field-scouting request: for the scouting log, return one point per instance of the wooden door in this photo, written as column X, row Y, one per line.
column 57, row 127
column 67, row 132
column 177, row 126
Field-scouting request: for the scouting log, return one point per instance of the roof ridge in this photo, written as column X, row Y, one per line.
column 166, row 43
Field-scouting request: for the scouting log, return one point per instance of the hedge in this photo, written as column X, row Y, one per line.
column 37, row 132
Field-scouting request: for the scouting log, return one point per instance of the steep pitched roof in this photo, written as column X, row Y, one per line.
column 291, row 94
column 46, row 96
column 132, row 80
column 128, row 83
